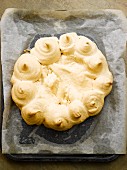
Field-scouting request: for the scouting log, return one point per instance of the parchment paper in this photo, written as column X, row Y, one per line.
column 108, row 28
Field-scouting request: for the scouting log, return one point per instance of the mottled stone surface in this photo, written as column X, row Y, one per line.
column 107, row 29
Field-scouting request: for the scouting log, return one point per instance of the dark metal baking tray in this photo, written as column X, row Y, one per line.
column 58, row 157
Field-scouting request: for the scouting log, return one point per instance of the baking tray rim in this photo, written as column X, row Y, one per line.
column 63, row 158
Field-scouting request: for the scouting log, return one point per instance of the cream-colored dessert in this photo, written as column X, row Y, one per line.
column 47, row 50
column 61, row 82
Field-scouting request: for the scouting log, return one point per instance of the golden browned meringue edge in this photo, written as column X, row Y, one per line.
column 61, row 82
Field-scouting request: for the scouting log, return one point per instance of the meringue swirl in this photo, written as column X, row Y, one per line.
column 33, row 113
column 23, row 92
column 57, row 117
column 104, row 83
column 78, row 111
column 46, row 50
column 94, row 63
column 94, row 101
column 27, row 68
column 67, row 43
column 84, row 47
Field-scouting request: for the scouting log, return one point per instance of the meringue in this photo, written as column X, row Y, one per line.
column 26, row 68
column 23, row 92
column 46, row 50
column 61, row 82
column 67, row 43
